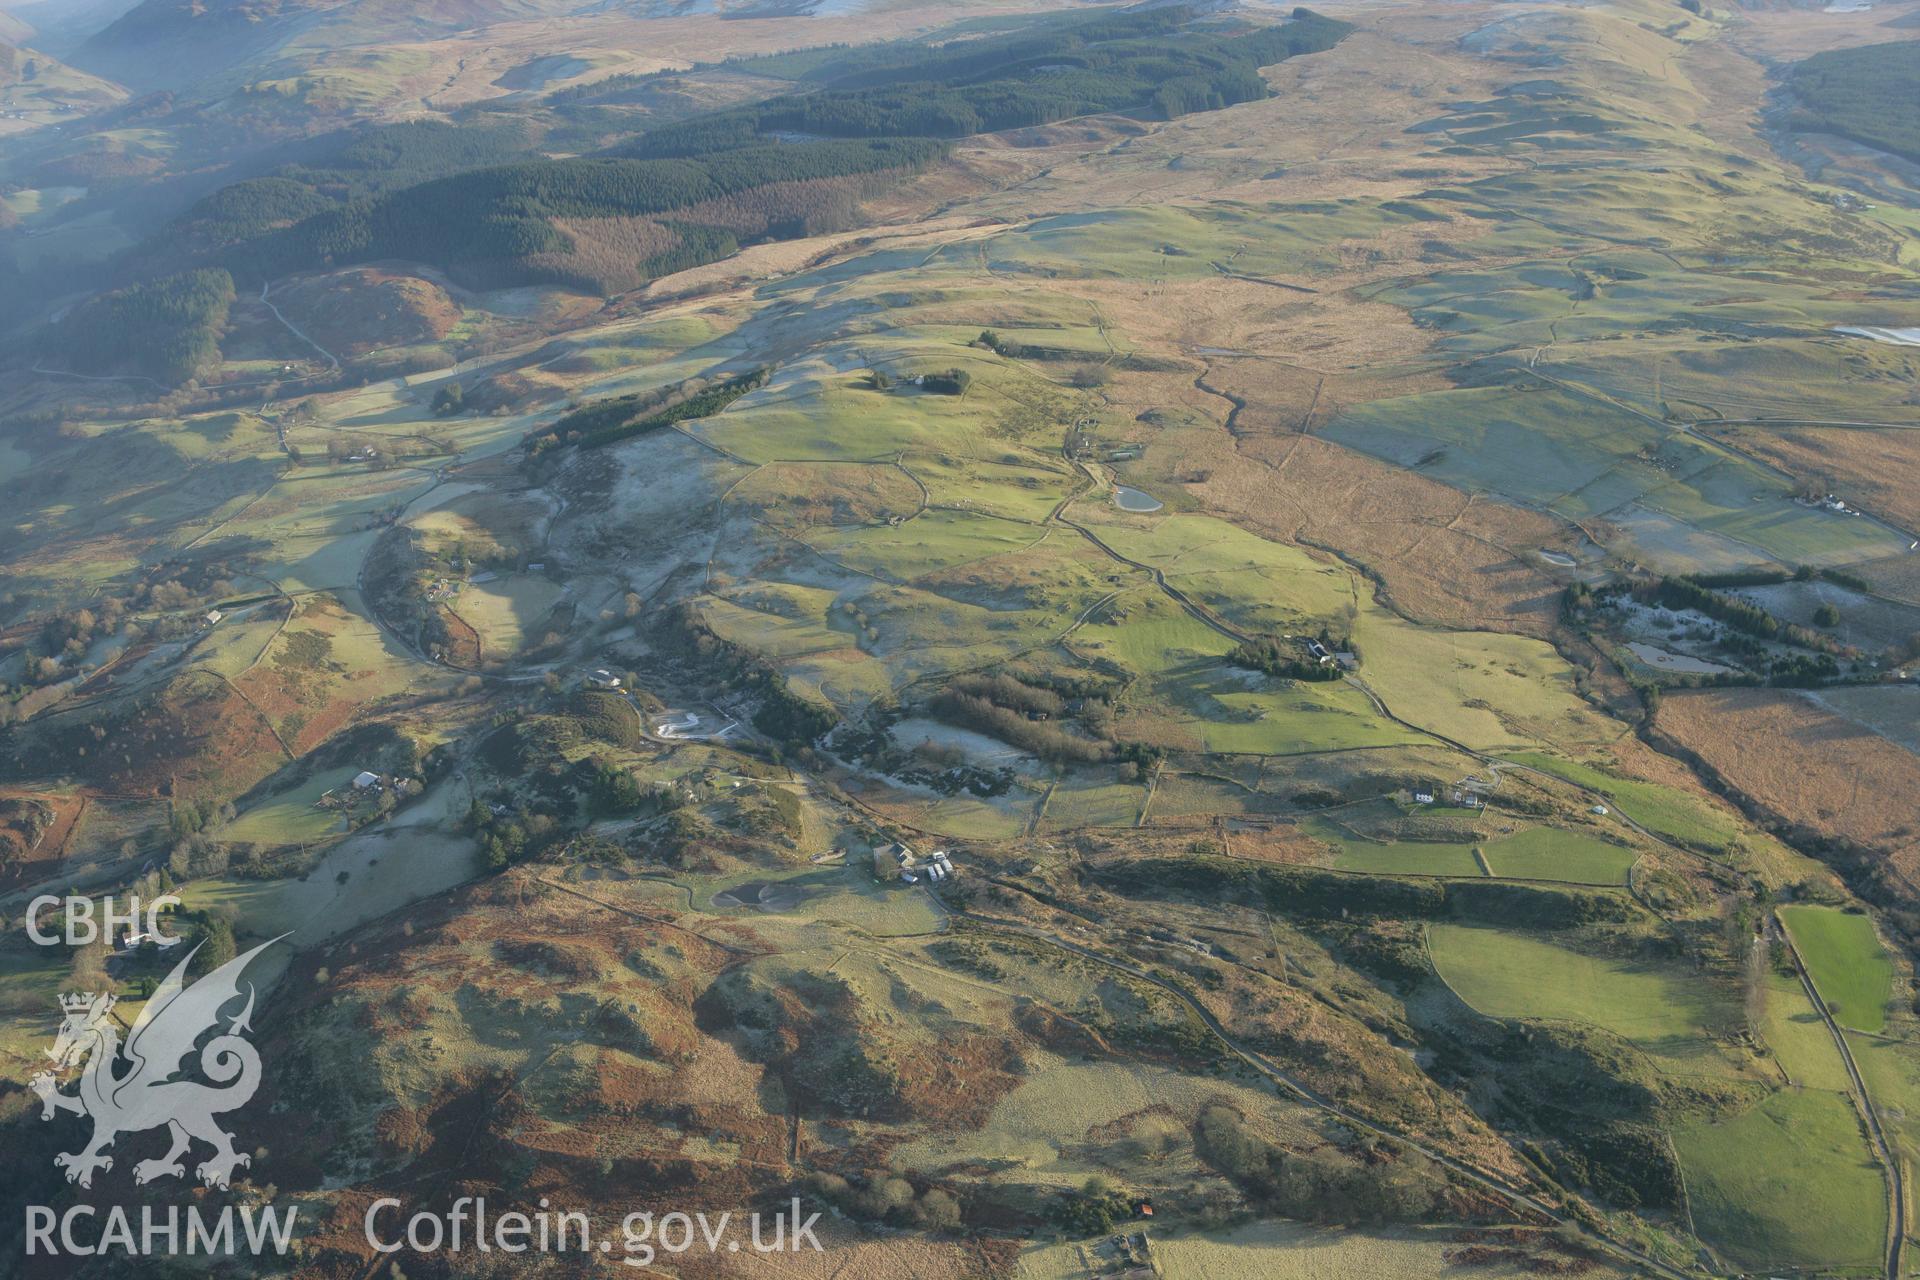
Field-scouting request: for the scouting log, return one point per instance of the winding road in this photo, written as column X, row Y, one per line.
column 333, row 361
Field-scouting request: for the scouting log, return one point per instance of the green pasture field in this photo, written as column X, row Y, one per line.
column 1537, row 446
column 1540, row 853
column 319, row 529
column 1084, row 340
column 784, row 624
column 31, row 982
column 633, row 342
column 850, row 679
column 1409, row 857
column 1092, row 798
column 1015, row 486
column 1662, row 810
column 1665, row 1009
column 794, row 493
column 1891, row 1069
column 841, row 419
column 236, row 643
column 1404, row 857
column 1255, row 585
column 292, row 816
column 1149, row 634
column 1817, row 374
column 1050, row 584
column 963, row 616
column 1490, row 690
column 979, row 818
column 936, row 541
column 1788, row 1183
column 336, row 629
column 1549, row 853
column 1850, row 969
column 112, row 497
column 1765, row 349
column 1227, row 709
column 1181, row 796
column 1217, row 706
column 1903, row 219
column 506, row 611
column 1290, row 243
column 1798, row 1036
column 841, row 678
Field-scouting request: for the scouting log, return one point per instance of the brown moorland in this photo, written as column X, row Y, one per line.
column 1869, row 468
column 1806, row 766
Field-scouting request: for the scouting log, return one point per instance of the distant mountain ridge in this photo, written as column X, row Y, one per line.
column 161, row 43
column 172, row 43
column 694, row 191
column 57, row 26
column 43, row 79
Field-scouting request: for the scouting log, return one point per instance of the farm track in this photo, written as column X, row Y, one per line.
column 332, row 360
column 1199, row 613
column 98, row 377
column 1803, row 422
column 644, row 918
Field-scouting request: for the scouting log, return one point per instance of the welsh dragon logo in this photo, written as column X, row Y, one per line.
column 145, row 1095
